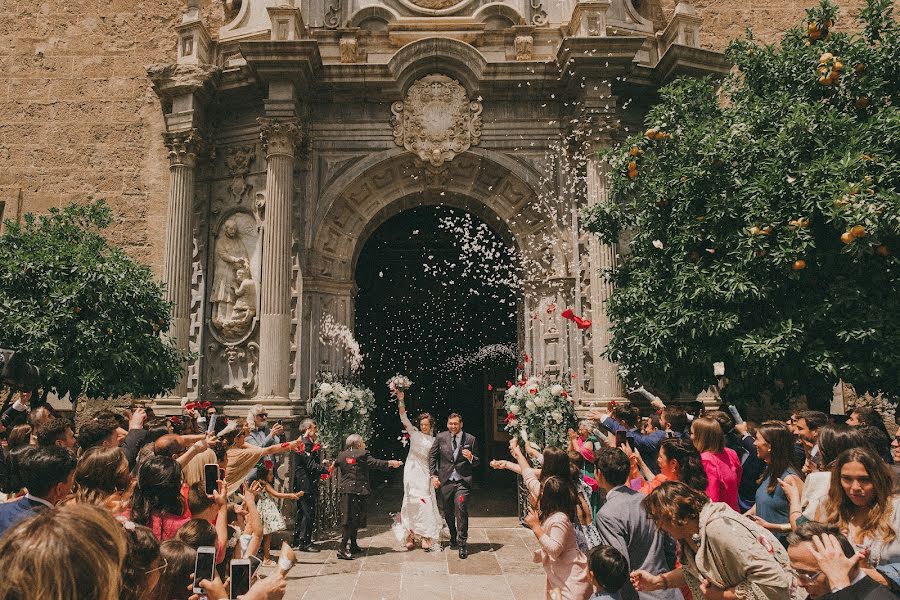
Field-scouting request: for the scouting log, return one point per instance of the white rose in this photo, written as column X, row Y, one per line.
column 519, row 393
column 529, row 405
column 556, row 390
column 341, row 405
column 344, row 395
column 349, row 406
column 359, row 394
column 514, row 409
column 539, row 402
column 362, row 409
column 557, row 416
column 326, row 388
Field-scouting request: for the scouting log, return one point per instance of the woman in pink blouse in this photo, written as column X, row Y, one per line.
column 553, row 526
column 722, row 465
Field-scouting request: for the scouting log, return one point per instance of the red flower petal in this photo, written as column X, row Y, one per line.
column 490, row 388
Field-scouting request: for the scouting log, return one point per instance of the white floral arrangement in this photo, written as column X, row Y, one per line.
column 341, row 409
column 332, row 333
column 540, row 411
column 399, row 383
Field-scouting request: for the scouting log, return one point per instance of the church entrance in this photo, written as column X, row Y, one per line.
column 434, row 302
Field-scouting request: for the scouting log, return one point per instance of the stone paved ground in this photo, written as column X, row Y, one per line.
column 499, row 566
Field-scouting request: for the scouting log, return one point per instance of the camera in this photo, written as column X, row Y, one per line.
column 17, row 373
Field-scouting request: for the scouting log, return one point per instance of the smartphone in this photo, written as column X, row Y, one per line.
column 255, row 563
column 621, row 438
column 211, row 428
column 204, row 567
column 211, row 478
column 240, row 577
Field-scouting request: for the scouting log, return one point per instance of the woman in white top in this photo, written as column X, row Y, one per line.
column 419, row 515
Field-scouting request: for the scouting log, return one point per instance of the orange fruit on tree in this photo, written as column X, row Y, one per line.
column 883, row 250
column 799, row 265
column 754, row 230
column 650, row 134
column 860, row 67
column 823, row 80
column 847, row 237
column 862, row 102
column 632, row 166
column 857, row 231
column 838, row 66
column 632, row 174
column 634, row 151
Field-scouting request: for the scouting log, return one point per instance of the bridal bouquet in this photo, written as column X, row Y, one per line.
column 540, row 411
column 341, row 409
column 399, row 383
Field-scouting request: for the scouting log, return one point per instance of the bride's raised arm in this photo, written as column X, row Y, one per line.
column 407, row 425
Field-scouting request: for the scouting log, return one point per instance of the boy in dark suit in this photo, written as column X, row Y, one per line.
column 48, row 474
column 353, row 465
column 453, row 457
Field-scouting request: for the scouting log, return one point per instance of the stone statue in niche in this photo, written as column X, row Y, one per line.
column 233, row 296
column 241, row 364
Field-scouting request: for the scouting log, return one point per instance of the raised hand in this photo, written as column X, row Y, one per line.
column 435, row 482
column 531, row 519
column 277, row 429
column 832, row 561
column 395, row 464
column 644, row 581
column 467, row 454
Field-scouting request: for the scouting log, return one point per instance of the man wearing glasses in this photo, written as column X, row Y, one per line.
column 825, row 565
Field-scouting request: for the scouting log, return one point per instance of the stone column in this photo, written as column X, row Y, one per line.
column 182, row 147
column 279, row 139
column 607, row 385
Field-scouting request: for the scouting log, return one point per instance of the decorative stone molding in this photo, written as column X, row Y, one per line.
column 279, row 137
column 524, row 47
column 683, row 29
column 437, row 121
column 183, row 147
column 237, row 162
column 286, row 23
column 349, row 48
column 538, row 14
column 435, row 7
column 589, row 18
column 170, row 80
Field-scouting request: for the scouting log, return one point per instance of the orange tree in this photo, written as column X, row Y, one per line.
column 81, row 310
column 763, row 217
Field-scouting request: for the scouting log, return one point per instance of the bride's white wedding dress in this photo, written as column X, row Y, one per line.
column 419, row 513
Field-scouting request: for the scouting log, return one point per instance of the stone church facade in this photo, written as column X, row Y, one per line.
column 293, row 128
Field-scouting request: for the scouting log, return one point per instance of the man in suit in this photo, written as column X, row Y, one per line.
column 308, row 470
column 453, row 457
column 48, row 474
column 624, row 525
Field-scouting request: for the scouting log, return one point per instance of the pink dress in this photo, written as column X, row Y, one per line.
column 723, row 469
column 565, row 565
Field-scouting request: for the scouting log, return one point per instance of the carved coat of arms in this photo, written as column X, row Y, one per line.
column 437, row 121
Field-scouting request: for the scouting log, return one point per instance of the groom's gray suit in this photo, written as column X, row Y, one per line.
column 447, row 463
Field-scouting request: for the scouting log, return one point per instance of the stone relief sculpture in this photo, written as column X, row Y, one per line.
column 241, row 364
column 233, row 295
column 436, row 121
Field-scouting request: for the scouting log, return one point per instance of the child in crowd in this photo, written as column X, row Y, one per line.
column 269, row 512
column 608, row 572
column 353, row 465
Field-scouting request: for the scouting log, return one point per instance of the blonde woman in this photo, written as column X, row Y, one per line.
column 74, row 552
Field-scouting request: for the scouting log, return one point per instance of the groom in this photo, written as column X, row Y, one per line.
column 453, row 455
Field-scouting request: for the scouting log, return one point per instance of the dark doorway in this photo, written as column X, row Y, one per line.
column 421, row 313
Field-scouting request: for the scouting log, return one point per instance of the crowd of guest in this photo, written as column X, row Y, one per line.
column 123, row 506
column 695, row 505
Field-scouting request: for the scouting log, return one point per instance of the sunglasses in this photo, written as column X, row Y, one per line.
column 805, row 577
column 263, row 415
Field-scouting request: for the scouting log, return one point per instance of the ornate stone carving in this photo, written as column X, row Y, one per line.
column 234, row 292
column 237, row 161
column 524, row 47
column 279, row 136
column 437, row 121
column 435, row 7
column 538, row 14
column 333, row 14
column 242, row 363
column 173, row 79
column 349, row 49
column 183, row 147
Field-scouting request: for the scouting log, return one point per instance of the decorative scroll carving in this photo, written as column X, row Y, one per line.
column 437, row 121
column 237, row 161
column 279, row 136
column 349, row 49
column 242, row 363
column 524, row 47
column 183, row 147
column 234, row 291
column 538, row 14
column 333, row 15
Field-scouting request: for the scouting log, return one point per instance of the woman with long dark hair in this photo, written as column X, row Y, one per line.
column 553, row 526
column 678, row 460
column 158, row 501
column 722, row 465
column 775, row 447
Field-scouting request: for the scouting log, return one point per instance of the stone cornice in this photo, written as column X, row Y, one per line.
column 686, row 60
column 602, row 57
column 279, row 137
column 171, row 80
column 298, row 60
column 183, row 147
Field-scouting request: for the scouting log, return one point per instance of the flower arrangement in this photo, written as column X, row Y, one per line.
column 539, row 410
column 399, row 383
column 340, row 409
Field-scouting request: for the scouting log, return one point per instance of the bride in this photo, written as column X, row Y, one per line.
column 419, row 515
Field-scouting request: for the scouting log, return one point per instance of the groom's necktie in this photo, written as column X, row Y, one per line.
column 454, row 444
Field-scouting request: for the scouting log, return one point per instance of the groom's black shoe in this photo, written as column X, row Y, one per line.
column 354, row 549
column 344, row 555
column 463, row 551
column 453, row 545
column 308, row 548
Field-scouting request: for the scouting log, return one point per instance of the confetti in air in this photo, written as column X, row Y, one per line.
column 334, row 334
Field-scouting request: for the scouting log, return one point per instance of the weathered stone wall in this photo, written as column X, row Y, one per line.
column 78, row 120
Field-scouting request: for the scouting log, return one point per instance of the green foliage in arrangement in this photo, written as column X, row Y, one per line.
column 91, row 318
column 764, row 218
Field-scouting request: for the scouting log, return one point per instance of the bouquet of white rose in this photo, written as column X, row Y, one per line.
column 539, row 411
column 341, row 409
column 398, row 383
